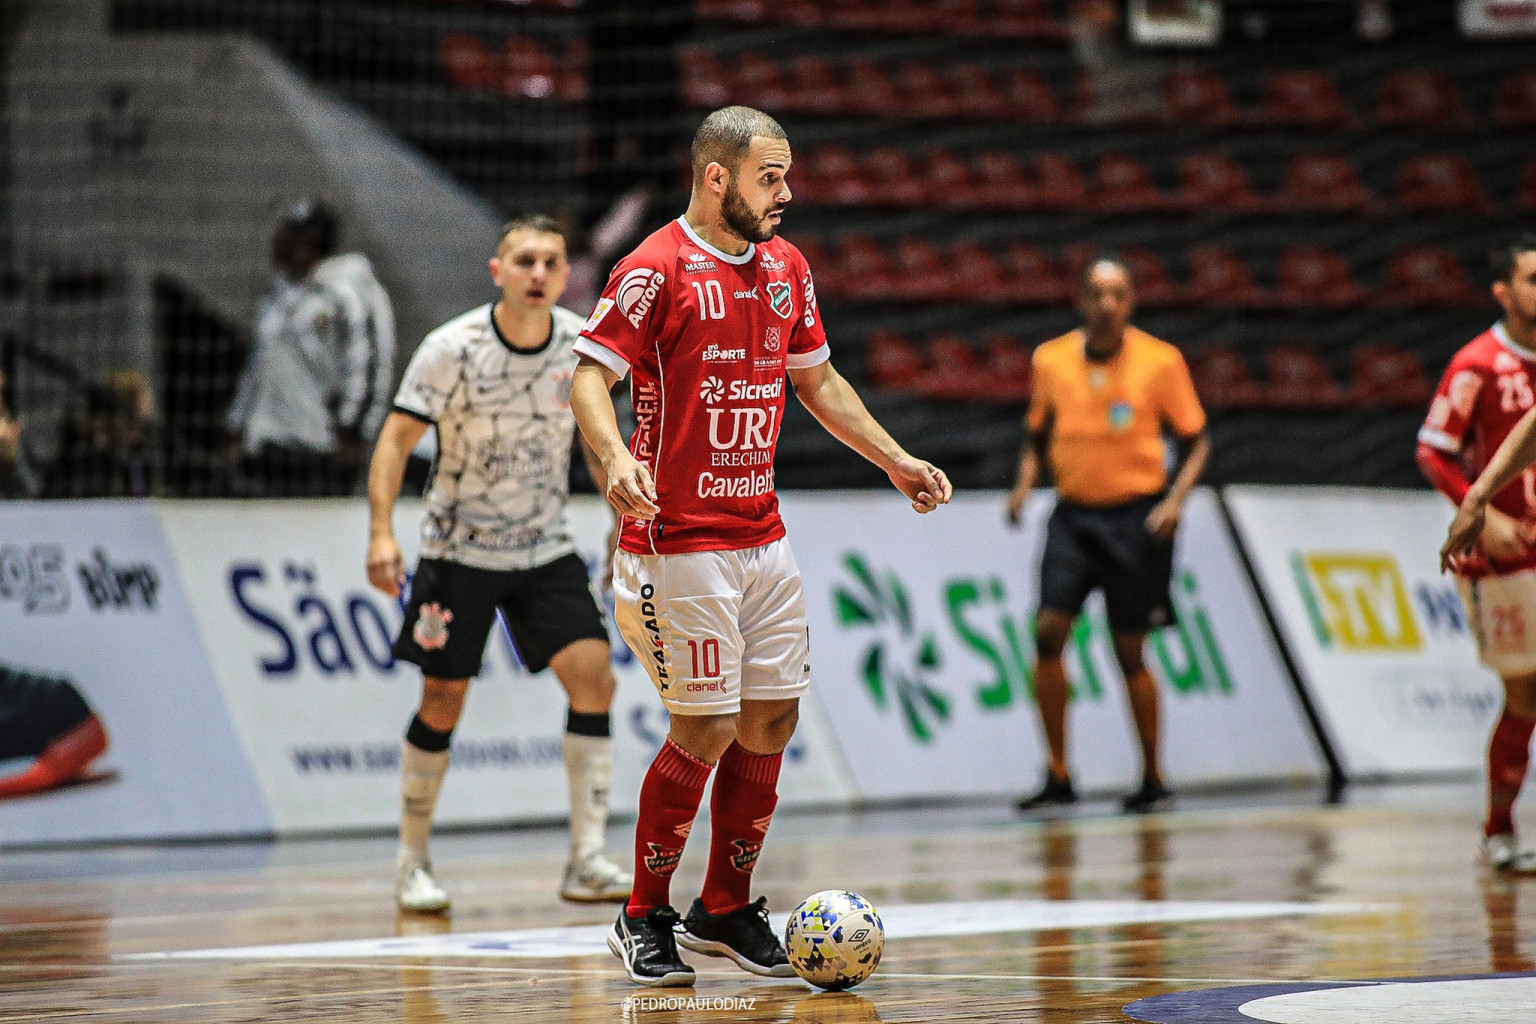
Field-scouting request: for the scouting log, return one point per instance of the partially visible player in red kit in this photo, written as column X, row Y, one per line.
column 707, row 316
column 1485, row 397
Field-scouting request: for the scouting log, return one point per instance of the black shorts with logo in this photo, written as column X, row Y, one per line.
column 1108, row 548
column 452, row 607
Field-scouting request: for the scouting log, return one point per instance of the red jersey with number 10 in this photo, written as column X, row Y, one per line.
column 1485, row 391
column 707, row 338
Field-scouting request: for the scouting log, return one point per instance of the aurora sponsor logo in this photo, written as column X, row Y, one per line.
column 636, row 291
column 746, row 485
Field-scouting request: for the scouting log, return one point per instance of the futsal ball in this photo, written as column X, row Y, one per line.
column 834, row 939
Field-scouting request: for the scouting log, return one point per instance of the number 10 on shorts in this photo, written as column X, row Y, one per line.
column 706, row 658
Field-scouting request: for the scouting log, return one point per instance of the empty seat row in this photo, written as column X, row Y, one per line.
column 814, row 84
column 519, row 66
column 996, row 19
column 834, row 174
column 913, row 269
column 946, row 367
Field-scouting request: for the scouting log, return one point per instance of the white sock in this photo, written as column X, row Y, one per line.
column 589, row 772
column 421, row 777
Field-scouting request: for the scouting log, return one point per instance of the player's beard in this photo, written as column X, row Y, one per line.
column 739, row 217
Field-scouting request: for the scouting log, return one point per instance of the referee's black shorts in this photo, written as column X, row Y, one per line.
column 1108, row 548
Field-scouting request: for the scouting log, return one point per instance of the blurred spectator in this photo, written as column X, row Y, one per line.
column 109, row 450
column 1119, row 83
column 16, row 478
column 316, row 385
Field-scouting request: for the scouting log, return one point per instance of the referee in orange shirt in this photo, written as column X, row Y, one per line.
column 1103, row 397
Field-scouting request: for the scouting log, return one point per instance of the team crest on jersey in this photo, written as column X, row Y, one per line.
column 771, row 339
column 781, row 298
column 431, row 630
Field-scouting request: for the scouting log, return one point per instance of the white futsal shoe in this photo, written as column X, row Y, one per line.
column 596, row 879
column 416, row 888
column 1503, row 853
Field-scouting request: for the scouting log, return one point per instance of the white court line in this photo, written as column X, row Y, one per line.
column 921, row 920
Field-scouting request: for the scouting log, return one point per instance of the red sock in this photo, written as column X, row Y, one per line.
column 746, row 791
column 1509, row 755
column 669, row 801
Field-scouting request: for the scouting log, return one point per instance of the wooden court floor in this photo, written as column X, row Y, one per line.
column 1069, row 919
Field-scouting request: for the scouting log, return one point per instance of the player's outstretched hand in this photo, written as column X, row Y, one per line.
column 1465, row 529
column 386, row 567
column 923, row 482
column 631, row 491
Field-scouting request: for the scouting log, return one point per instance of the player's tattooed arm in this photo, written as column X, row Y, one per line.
column 627, row 483
column 838, row 408
column 1031, row 458
column 386, row 566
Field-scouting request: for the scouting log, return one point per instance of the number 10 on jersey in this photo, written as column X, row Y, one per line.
column 706, row 658
column 711, row 300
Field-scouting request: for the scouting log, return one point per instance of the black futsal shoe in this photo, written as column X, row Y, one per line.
column 1152, row 796
column 743, row 935
column 648, row 947
column 1055, row 793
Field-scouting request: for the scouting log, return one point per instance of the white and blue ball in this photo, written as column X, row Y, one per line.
column 834, row 939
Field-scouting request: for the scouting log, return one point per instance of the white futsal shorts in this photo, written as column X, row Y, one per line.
column 1502, row 611
column 714, row 628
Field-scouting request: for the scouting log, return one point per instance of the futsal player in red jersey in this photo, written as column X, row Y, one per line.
column 1480, row 428
column 706, row 317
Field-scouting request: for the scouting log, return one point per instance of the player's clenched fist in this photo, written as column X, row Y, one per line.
column 924, row 483
column 386, row 567
column 631, row 491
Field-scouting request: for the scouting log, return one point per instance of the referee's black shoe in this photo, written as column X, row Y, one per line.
column 743, row 935
column 648, row 948
column 1152, row 796
column 1055, row 793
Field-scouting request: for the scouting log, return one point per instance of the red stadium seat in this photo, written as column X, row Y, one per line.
column 901, row 16
column 529, row 72
column 1297, row 378
column 976, row 275
column 1516, row 105
column 855, row 15
column 1219, row 277
column 976, row 94
column 1311, row 275
column 960, row 18
column 1304, row 99
column 1441, row 183
column 1322, row 183
column 1427, row 275
column 747, row 12
column 468, row 62
column 800, row 13
column 1122, row 184
column 1031, row 277
column 1154, row 285
column 870, row 90
column 1002, row 183
column 1214, row 182
column 814, row 87
column 705, row 81
column 1030, row 97
column 1058, row 183
column 571, row 85
column 954, row 371
column 835, row 177
column 892, row 361
column 1198, row 96
column 1527, row 198
column 1008, row 370
column 926, row 93
column 1420, row 98
column 949, row 181
column 864, row 269
column 893, row 180
column 1024, row 19
column 1386, row 376
column 1223, row 380
column 919, row 274
column 760, row 81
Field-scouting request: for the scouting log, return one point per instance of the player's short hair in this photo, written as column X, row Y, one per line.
column 1503, row 257
column 1085, row 272
column 313, row 221
column 727, row 134
column 531, row 222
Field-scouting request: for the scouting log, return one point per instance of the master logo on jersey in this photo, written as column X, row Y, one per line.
column 637, row 290
column 431, row 632
column 781, row 298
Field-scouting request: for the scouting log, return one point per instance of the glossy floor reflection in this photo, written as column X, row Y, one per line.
column 71, row 921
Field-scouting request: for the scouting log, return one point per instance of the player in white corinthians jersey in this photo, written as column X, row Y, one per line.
column 707, row 317
column 496, row 383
